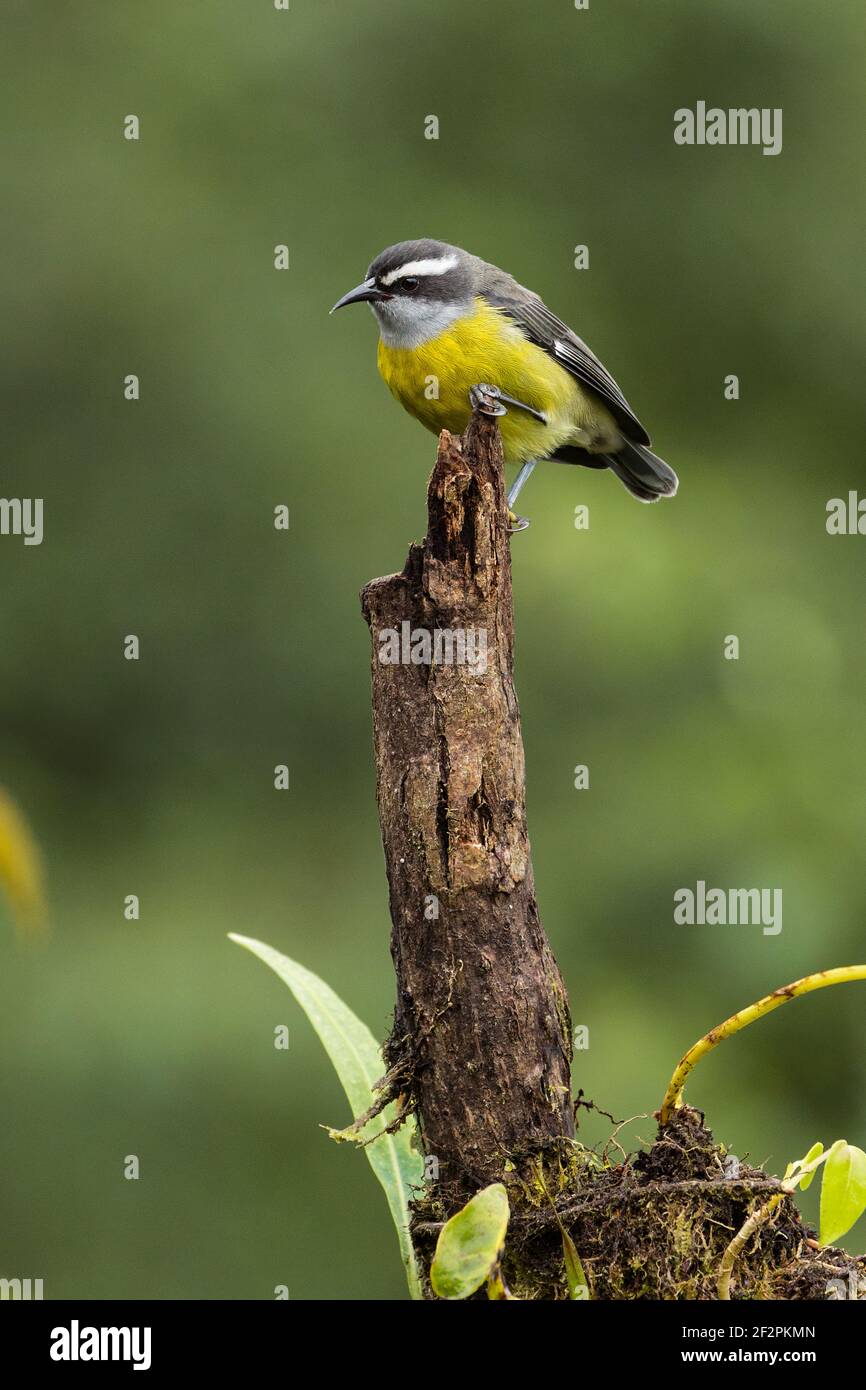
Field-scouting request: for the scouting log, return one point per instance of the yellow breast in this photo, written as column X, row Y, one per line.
column 432, row 382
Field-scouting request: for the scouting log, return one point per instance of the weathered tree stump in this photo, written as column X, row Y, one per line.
column 482, row 1034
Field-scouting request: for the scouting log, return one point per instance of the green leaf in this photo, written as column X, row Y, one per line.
column 816, row 1149
column 578, row 1285
column 843, row 1191
column 21, row 875
column 470, row 1244
column 357, row 1061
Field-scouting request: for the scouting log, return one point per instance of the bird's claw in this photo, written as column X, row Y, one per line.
column 490, row 400
column 516, row 523
column 486, row 400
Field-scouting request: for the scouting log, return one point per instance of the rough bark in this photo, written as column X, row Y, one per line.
column 482, row 1035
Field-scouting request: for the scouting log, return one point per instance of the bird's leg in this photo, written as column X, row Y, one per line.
column 519, row 523
column 491, row 401
column 518, row 484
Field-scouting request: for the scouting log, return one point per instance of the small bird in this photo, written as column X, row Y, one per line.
column 457, row 333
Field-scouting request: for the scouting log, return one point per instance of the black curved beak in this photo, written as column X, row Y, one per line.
column 360, row 294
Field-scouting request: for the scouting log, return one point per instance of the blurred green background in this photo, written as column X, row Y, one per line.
column 307, row 127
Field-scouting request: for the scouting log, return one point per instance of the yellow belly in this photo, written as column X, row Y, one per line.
column 432, row 382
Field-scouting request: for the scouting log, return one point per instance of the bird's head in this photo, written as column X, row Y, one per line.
column 416, row 289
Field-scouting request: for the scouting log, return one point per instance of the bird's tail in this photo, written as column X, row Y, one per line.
column 644, row 474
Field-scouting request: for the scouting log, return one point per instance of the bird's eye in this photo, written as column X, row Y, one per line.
column 409, row 284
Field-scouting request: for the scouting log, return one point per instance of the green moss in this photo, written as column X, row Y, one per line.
column 654, row 1228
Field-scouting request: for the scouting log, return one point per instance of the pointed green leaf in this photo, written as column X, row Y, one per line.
column 843, row 1191
column 816, row 1149
column 357, row 1061
column 470, row 1244
column 578, row 1286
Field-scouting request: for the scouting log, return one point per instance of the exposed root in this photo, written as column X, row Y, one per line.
column 393, row 1086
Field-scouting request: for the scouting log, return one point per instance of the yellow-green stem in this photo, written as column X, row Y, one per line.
column 748, row 1229
column 841, row 975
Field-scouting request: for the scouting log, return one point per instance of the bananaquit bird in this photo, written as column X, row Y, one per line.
column 456, row 332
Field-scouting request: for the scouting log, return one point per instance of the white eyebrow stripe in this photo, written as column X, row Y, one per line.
column 436, row 265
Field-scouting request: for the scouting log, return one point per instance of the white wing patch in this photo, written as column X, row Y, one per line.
column 435, row 265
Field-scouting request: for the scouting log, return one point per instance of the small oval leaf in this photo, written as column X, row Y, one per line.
column 470, row 1244
column 843, row 1191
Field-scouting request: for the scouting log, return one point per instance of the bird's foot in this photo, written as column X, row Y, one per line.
column 516, row 523
column 489, row 400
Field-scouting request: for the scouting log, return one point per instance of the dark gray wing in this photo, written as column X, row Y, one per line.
column 557, row 339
